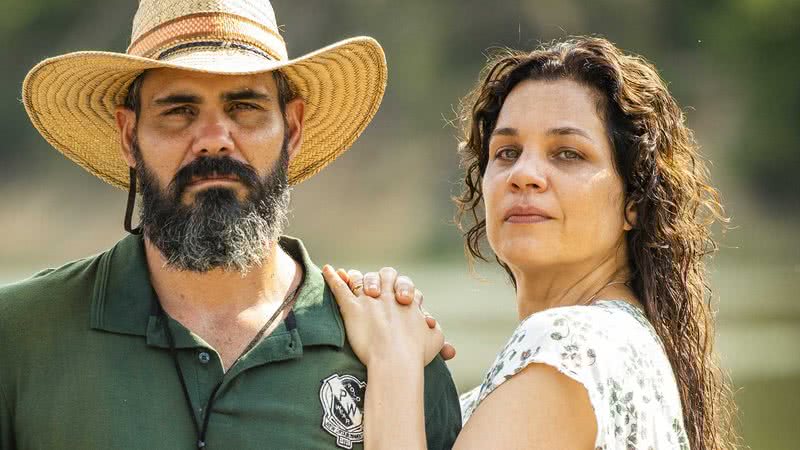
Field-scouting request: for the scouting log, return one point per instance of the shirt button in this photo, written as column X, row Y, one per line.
column 204, row 357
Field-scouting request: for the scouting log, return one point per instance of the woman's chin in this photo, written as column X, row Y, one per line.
column 526, row 252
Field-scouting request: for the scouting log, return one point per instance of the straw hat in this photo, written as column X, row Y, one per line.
column 71, row 98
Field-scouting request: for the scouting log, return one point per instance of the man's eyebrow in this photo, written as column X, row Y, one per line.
column 177, row 98
column 505, row 132
column 245, row 94
column 561, row 131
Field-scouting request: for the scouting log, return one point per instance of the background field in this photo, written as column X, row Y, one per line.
column 732, row 65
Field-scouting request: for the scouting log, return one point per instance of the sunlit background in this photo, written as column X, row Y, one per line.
column 732, row 64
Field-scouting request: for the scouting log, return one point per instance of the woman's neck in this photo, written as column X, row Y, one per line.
column 541, row 288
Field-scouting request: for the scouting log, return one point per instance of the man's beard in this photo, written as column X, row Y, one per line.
column 217, row 230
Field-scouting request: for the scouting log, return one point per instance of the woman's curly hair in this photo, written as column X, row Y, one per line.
column 663, row 176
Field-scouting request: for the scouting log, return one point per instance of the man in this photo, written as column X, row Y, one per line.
column 204, row 327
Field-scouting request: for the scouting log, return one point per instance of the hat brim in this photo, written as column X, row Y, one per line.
column 71, row 99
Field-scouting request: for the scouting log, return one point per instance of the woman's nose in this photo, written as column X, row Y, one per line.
column 528, row 173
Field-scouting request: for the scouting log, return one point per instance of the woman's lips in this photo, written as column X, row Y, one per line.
column 525, row 214
column 526, row 218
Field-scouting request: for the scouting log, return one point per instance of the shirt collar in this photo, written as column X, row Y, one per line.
column 123, row 295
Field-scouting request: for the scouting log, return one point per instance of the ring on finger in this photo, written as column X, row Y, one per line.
column 357, row 287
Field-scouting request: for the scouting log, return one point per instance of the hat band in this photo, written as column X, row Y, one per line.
column 208, row 27
column 180, row 48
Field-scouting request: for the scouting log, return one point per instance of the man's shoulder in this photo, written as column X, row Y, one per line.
column 439, row 386
column 50, row 287
column 438, row 372
column 442, row 408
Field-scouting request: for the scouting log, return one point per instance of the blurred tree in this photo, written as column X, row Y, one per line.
column 436, row 48
column 33, row 30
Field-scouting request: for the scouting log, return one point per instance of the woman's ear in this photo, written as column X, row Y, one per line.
column 630, row 216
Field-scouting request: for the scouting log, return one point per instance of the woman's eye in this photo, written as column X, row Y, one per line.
column 568, row 154
column 507, row 153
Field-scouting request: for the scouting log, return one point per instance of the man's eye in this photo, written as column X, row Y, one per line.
column 180, row 110
column 244, row 107
column 507, row 154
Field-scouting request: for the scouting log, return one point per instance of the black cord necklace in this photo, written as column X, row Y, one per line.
column 203, row 430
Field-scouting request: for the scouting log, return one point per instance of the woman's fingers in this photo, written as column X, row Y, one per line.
column 388, row 277
column 372, row 284
column 404, row 290
column 448, row 351
column 341, row 291
column 429, row 319
column 356, row 281
column 343, row 275
column 434, row 343
column 386, row 280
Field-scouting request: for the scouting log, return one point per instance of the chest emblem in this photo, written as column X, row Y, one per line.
column 342, row 398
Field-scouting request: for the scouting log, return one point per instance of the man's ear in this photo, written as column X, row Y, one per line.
column 631, row 216
column 126, row 125
column 295, row 113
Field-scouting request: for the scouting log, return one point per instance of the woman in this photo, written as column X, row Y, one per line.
column 598, row 205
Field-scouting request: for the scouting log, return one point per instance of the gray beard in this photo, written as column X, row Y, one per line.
column 218, row 231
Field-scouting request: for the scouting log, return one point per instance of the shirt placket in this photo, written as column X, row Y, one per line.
column 201, row 366
column 206, row 367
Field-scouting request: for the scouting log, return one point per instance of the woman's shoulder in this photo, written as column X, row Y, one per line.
column 583, row 342
column 608, row 347
column 605, row 322
column 593, row 317
column 600, row 336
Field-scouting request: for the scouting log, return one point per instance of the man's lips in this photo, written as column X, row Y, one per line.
column 525, row 214
column 197, row 181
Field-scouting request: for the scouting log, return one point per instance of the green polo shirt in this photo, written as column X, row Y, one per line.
column 85, row 364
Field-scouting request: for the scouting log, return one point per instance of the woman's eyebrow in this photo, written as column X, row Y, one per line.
column 507, row 131
column 558, row 131
column 561, row 131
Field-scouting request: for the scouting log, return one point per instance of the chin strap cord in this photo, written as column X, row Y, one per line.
column 131, row 204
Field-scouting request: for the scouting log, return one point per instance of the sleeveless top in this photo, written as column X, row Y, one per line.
column 611, row 349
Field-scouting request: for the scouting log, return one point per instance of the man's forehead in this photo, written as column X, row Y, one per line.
column 165, row 81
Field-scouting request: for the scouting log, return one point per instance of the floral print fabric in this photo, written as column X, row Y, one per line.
column 613, row 351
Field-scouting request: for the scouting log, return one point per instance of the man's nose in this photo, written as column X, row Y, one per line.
column 213, row 138
column 528, row 173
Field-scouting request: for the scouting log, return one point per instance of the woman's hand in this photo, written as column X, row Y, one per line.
column 404, row 293
column 381, row 329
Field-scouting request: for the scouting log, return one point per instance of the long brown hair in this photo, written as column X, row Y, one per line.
column 664, row 177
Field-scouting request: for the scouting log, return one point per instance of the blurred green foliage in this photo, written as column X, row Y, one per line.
column 743, row 50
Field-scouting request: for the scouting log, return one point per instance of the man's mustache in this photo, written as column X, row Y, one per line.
column 206, row 167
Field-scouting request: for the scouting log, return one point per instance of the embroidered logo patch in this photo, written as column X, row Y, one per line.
column 342, row 398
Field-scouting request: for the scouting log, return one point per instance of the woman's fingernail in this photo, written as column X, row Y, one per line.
column 404, row 291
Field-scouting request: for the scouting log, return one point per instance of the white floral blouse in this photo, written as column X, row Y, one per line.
column 612, row 350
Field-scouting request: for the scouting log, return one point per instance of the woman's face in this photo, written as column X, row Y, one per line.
column 551, row 191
